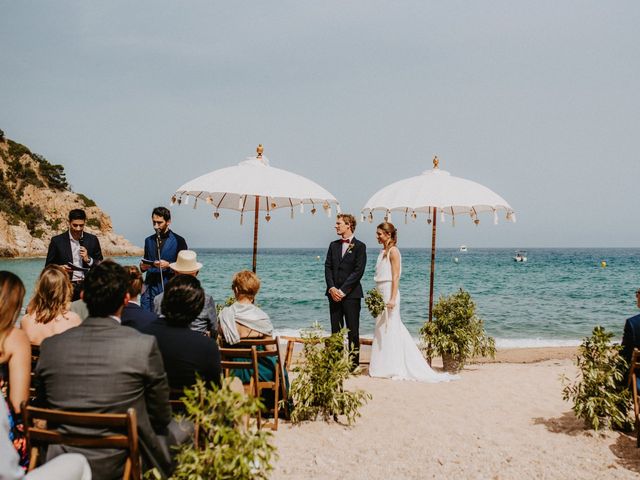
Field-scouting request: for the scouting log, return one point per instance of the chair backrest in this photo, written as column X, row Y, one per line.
column 38, row 433
column 177, row 405
column 35, row 355
column 270, row 347
column 241, row 359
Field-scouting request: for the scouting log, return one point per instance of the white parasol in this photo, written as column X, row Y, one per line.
column 254, row 186
column 433, row 192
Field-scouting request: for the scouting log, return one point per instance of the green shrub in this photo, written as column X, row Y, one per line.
column 318, row 388
column 228, row 302
column 54, row 224
column 598, row 393
column 17, row 150
column 86, row 201
column 225, row 447
column 456, row 331
column 93, row 223
column 53, row 174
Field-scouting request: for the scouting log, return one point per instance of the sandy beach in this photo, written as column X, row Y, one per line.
column 501, row 420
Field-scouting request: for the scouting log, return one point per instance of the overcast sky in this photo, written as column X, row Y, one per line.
column 539, row 101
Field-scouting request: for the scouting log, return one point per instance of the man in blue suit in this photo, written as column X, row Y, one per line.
column 631, row 336
column 161, row 249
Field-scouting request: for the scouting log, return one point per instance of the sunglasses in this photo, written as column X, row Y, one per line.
column 637, row 292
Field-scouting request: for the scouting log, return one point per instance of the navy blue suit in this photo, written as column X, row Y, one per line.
column 185, row 353
column 344, row 273
column 59, row 252
column 173, row 244
column 135, row 316
column 631, row 337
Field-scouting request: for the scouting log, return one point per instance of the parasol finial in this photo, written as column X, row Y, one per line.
column 259, row 150
column 436, row 162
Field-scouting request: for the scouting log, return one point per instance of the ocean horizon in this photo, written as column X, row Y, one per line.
column 554, row 299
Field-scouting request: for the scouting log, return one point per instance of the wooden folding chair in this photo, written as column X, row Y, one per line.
column 39, row 436
column 35, row 355
column 634, row 372
column 242, row 359
column 270, row 347
column 177, row 405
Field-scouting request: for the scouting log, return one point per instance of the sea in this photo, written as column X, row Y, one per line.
column 556, row 298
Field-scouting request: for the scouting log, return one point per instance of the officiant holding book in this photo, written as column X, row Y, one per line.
column 75, row 250
column 160, row 250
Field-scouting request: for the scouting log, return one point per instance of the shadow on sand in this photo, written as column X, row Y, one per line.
column 567, row 424
column 627, row 452
column 624, row 447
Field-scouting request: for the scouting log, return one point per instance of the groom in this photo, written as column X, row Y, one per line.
column 343, row 269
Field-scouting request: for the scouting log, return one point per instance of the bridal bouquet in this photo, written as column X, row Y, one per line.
column 375, row 303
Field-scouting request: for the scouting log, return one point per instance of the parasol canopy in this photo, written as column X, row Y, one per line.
column 436, row 191
column 253, row 185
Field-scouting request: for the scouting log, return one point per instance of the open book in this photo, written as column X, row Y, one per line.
column 76, row 267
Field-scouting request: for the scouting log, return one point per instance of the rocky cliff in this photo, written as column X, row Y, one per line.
column 35, row 199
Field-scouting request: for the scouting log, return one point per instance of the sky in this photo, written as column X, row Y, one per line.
column 538, row 101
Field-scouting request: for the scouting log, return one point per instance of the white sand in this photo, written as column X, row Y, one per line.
column 499, row 421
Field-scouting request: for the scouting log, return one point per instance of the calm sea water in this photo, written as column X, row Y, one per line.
column 556, row 298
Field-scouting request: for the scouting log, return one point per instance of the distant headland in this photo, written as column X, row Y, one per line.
column 35, row 199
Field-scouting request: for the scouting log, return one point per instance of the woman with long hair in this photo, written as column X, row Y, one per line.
column 394, row 354
column 15, row 357
column 48, row 311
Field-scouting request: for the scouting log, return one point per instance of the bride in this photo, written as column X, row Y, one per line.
column 394, row 354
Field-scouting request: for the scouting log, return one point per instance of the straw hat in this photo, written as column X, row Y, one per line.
column 186, row 262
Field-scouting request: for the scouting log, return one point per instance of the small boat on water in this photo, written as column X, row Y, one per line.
column 521, row 256
column 463, row 248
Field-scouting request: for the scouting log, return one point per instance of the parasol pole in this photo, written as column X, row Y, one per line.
column 255, row 234
column 436, row 163
column 433, row 262
column 259, row 152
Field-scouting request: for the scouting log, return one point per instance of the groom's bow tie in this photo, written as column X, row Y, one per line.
column 344, row 240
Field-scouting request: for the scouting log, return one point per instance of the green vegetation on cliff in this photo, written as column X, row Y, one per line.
column 19, row 168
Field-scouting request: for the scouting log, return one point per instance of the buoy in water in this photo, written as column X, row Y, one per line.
column 603, row 264
column 455, row 259
column 318, row 257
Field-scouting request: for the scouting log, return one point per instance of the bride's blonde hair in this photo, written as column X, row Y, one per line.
column 390, row 230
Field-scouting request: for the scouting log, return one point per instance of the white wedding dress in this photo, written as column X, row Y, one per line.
column 394, row 354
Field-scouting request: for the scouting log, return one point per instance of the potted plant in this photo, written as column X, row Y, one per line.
column 318, row 389
column 456, row 333
column 599, row 393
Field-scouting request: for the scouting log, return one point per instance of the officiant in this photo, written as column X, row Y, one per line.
column 75, row 250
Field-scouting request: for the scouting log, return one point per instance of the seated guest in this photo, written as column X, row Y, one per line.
column 243, row 320
column 134, row 315
column 206, row 321
column 71, row 466
column 631, row 335
column 48, row 312
column 15, row 360
column 104, row 367
column 185, row 352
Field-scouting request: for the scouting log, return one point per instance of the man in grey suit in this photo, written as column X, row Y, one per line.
column 104, row 367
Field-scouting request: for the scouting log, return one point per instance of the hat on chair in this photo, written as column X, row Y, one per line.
column 186, row 262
